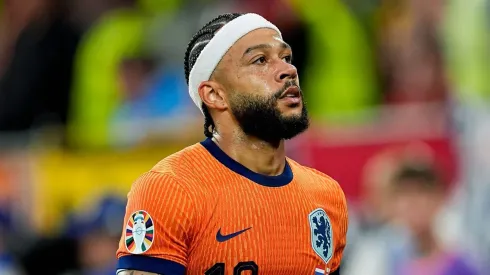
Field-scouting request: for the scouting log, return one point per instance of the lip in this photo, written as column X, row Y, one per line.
column 291, row 92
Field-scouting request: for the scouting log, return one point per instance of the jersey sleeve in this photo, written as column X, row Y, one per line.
column 158, row 226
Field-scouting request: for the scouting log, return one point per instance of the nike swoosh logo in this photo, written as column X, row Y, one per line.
column 223, row 238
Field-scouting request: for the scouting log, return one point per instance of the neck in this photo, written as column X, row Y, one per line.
column 259, row 156
column 427, row 244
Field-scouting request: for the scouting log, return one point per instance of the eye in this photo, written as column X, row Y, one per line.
column 288, row 59
column 260, row 60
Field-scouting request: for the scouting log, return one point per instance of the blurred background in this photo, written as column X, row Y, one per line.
column 92, row 94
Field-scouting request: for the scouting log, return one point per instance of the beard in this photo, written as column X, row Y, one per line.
column 260, row 117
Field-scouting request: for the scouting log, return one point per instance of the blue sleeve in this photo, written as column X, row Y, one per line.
column 150, row 264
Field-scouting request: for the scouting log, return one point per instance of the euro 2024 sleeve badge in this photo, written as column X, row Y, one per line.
column 321, row 234
column 139, row 232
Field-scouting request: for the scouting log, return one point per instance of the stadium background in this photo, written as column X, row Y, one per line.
column 92, row 94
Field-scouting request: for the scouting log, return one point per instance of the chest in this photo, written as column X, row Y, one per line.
column 264, row 231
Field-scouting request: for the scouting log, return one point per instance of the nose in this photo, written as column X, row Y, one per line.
column 287, row 71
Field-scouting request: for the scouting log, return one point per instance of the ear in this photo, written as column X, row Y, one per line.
column 212, row 95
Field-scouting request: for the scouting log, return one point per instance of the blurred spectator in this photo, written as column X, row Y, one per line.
column 97, row 92
column 466, row 36
column 87, row 245
column 409, row 51
column 374, row 210
column 372, row 238
column 34, row 88
column 98, row 234
column 114, row 75
column 406, row 240
column 8, row 263
column 15, row 16
column 378, row 242
column 418, row 194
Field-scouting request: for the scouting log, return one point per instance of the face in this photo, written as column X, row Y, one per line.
column 262, row 87
column 416, row 208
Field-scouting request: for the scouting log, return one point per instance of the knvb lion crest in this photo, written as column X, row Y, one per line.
column 321, row 234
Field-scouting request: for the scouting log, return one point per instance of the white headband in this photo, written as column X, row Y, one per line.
column 217, row 47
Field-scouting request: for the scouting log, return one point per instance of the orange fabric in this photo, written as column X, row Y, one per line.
column 191, row 196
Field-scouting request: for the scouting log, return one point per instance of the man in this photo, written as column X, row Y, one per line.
column 234, row 204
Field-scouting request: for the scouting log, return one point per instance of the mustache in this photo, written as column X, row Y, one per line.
column 288, row 84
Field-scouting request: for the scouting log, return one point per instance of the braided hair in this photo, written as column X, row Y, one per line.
column 194, row 48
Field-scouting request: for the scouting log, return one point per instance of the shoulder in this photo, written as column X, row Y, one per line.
column 325, row 192
column 182, row 172
column 181, row 161
column 175, row 173
column 317, row 178
column 321, row 187
column 164, row 191
column 183, row 167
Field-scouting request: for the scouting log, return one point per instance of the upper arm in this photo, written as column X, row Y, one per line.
column 158, row 226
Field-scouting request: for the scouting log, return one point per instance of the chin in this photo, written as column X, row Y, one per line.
column 292, row 110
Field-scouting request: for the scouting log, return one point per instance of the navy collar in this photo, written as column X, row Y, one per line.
column 270, row 181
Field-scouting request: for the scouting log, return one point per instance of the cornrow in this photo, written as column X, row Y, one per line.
column 195, row 47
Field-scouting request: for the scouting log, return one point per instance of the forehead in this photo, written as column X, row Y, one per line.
column 253, row 38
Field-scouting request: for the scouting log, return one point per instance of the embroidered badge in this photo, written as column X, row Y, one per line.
column 139, row 232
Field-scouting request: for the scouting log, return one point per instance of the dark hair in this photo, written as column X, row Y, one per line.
column 194, row 48
column 418, row 175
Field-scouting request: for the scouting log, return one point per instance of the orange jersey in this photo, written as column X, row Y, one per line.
column 200, row 212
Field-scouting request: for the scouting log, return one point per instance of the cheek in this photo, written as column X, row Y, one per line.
column 416, row 210
column 256, row 85
column 431, row 207
column 402, row 206
column 257, row 80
